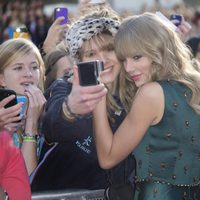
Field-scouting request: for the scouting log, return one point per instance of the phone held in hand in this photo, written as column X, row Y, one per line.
column 4, row 93
column 176, row 19
column 61, row 12
column 20, row 32
column 89, row 72
column 24, row 100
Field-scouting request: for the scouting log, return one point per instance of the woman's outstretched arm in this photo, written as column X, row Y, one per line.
column 147, row 109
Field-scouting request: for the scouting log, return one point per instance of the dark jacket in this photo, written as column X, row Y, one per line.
column 73, row 163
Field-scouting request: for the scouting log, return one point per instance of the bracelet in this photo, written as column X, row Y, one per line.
column 70, row 114
column 27, row 137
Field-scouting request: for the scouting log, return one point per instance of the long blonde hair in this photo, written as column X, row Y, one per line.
column 147, row 35
column 13, row 49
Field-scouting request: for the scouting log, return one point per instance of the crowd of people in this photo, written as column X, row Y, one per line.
column 135, row 135
column 19, row 13
column 32, row 15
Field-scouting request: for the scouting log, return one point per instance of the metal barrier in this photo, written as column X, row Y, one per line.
column 70, row 195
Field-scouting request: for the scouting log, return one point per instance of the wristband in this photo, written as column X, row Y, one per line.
column 70, row 113
column 29, row 137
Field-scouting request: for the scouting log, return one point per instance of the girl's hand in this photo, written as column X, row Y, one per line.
column 10, row 118
column 35, row 108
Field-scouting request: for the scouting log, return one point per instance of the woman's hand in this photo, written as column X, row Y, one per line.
column 56, row 34
column 184, row 29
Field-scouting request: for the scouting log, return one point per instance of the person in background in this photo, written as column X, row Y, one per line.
column 21, row 60
column 161, row 89
column 14, row 183
column 67, row 123
column 58, row 64
column 184, row 29
column 194, row 44
column 52, row 50
column 56, row 34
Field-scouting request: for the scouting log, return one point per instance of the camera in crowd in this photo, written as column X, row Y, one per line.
column 89, row 72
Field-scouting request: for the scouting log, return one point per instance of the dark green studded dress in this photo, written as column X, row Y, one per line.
column 168, row 157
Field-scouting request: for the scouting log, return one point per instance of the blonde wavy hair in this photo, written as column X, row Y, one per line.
column 13, row 49
column 147, row 35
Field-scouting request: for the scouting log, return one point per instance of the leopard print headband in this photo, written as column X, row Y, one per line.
column 85, row 29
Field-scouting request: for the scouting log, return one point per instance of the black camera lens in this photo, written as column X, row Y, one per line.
column 89, row 72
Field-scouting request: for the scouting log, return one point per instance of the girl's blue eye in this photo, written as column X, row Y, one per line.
column 18, row 68
column 35, row 67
